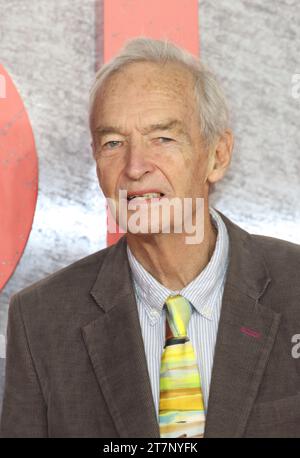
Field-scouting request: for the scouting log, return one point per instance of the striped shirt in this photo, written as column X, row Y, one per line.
column 205, row 294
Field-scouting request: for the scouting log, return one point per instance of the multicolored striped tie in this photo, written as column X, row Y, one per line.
column 181, row 408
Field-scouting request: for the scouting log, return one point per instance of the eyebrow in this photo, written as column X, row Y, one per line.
column 164, row 125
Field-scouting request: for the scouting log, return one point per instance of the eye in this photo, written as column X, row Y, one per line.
column 165, row 139
column 111, row 144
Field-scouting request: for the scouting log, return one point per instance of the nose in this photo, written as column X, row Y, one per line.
column 137, row 162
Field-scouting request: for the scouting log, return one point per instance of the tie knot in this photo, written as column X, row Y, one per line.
column 179, row 312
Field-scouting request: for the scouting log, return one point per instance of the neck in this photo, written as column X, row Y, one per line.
column 169, row 259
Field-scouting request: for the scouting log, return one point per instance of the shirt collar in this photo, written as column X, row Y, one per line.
column 201, row 291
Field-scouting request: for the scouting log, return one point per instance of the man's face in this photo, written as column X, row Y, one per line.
column 146, row 133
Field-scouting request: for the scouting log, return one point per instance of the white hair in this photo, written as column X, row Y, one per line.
column 212, row 107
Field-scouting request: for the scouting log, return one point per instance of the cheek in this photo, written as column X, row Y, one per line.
column 103, row 176
column 183, row 168
column 108, row 176
column 176, row 168
column 188, row 164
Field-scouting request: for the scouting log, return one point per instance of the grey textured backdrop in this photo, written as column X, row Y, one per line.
column 48, row 47
column 254, row 47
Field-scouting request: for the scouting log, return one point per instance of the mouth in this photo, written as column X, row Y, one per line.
column 153, row 196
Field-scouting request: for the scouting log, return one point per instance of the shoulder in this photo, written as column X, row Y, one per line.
column 278, row 252
column 282, row 260
column 63, row 288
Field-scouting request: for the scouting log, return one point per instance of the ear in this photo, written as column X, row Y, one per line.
column 220, row 157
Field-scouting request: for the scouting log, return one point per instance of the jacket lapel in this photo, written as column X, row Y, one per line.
column 246, row 334
column 116, row 349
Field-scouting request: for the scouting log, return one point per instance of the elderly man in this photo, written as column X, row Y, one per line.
column 157, row 336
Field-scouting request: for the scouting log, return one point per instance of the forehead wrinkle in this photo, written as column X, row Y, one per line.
column 167, row 82
column 164, row 125
column 173, row 124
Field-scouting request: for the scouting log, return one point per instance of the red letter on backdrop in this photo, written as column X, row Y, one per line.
column 18, row 177
column 124, row 19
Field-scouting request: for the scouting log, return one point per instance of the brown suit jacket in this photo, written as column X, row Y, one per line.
column 76, row 365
